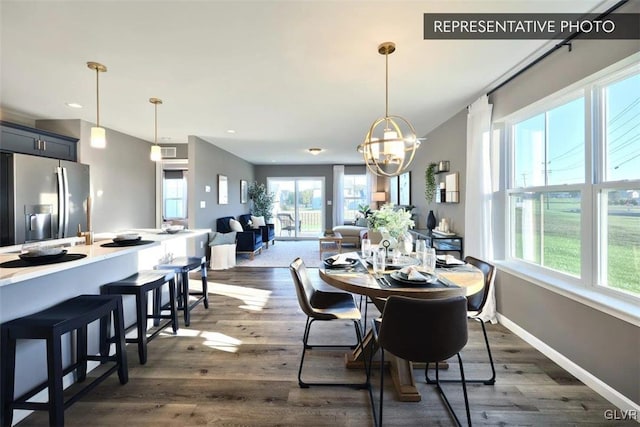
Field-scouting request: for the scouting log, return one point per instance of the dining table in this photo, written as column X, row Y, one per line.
column 358, row 278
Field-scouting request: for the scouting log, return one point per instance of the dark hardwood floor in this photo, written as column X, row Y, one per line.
column 237, row 363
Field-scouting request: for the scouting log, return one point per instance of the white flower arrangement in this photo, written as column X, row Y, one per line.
column 394, row 222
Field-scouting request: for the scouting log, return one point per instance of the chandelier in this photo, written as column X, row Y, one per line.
column 391, row 143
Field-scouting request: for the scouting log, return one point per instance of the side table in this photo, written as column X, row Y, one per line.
column 330, row 242
column 441, row 243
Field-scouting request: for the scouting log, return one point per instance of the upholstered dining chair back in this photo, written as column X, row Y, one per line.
column 475, row 305
column 422, row 330
column 324, row 305
column 304, row 287
column 476, row 301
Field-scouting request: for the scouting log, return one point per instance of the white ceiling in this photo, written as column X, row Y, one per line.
column 285, row 76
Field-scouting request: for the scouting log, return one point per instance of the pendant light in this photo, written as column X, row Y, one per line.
column 156, row 152
column 391, row 143
column 98, row 137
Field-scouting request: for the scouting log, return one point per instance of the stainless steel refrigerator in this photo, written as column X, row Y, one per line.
column 41, row 198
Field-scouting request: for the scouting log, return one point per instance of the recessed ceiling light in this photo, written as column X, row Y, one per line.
column 315, row 151
column 231, row 131
column 165, row 138
column 73, row 105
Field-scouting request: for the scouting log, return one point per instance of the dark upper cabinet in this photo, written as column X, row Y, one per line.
column 22, row 139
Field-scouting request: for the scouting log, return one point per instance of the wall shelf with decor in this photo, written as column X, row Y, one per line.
column 448, row 190
column 442, row 167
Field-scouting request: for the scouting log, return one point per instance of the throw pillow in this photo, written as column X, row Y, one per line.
column 222, row 239
column 257, row 221
column 235, row 225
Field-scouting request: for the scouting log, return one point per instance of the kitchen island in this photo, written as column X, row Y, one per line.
column 26, row 290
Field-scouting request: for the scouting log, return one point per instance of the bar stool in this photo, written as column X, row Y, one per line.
column 140, row 284
column 50, row 324
column 182, row 266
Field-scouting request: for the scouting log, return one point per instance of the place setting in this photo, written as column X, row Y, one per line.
column 34, row 254
column 449, row 262
column 126, row 239
column 342, row 263
column 412, row 276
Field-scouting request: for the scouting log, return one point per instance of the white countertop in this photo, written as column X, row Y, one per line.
column 94, row 253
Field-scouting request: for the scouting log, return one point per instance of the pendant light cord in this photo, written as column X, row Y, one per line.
column 386, row 84
column 155, row 135
column 97, row 97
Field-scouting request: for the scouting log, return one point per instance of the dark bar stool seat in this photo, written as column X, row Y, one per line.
column 182, row 266
column 140, row 284
column 50, row 324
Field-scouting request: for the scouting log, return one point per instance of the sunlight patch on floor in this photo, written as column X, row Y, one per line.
column 254, row 299
column 221, row 341
column 213, row 339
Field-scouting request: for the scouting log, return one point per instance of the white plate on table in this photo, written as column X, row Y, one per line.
column 403, row 278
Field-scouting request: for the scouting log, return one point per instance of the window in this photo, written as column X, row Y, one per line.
column 574, row 190
column 622, row 128
column 546, row 229
column 355, row 194
column 619, row 207
column 174, row 194
column 549, row 151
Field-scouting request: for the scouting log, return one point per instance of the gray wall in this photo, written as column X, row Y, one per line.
column 607, row 347
column 604, row 345
column 447, row 142
column 206, row 161
column 123, row 164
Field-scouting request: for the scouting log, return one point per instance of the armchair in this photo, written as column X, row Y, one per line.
column 287, row 223
column 249, row 242
column 268, row 231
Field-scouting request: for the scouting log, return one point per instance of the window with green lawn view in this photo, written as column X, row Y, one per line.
column 574, row 192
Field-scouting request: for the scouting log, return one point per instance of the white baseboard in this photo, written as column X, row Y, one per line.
column 616, row 398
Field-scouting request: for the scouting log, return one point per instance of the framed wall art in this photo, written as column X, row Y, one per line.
column 223, row 190
column 244, row 191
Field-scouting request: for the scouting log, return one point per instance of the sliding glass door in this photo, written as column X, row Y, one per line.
column 298, row 208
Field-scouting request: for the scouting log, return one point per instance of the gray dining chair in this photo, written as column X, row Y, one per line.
column 320, row 305
column 475, row 305
column 422, row 330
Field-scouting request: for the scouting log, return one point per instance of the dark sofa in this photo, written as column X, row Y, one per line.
column 249, row 242
column 268, row 231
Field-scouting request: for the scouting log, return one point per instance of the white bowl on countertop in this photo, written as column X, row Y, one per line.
column 172, row 229
column 43, row 251
column 126, row 236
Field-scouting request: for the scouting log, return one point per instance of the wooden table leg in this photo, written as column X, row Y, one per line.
column 403, row 381
column 401, row 370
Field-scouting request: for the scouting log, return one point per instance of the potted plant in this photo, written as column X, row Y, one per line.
column 394, row 221
column 361, row 216
column 430, row 182
column 393, row 224
column 262, row 200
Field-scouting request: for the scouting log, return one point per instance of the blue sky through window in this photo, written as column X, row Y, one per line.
column 623, row 129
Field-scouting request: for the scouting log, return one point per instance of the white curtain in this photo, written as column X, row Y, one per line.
column 372, row 187
column 477, row 224
column 338, row 195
